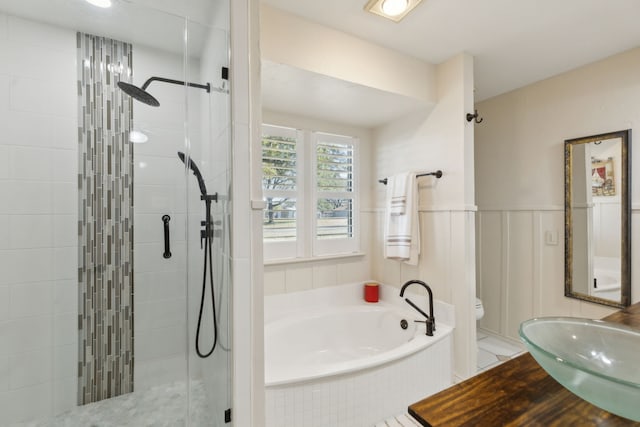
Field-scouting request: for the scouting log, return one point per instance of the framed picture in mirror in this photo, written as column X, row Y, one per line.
column 602, row 178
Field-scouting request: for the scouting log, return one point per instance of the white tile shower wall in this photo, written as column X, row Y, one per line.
column 361, row 398
column 38, row 243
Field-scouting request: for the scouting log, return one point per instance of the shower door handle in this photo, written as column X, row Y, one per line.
column 167, row 251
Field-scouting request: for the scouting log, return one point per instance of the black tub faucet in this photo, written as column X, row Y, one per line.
column 430, row 321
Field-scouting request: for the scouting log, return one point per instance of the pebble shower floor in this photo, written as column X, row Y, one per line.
column 162, row 406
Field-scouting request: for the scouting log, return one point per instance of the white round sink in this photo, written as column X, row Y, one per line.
column 596, row 360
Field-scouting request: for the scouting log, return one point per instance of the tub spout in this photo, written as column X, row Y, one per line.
column 429, row 321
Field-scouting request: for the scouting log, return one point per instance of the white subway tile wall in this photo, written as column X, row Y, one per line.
column 38, row 220
column 38, row 211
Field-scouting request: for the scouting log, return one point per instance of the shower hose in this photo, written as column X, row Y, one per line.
column 208, row 265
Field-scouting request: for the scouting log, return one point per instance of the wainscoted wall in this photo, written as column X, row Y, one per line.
column 445, row 262
column 520, row 269
column 520, row 186
column 520, row 274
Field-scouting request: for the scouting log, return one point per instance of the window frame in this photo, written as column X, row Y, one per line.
column 336, row 246
column 306, row 244
column 285, row 249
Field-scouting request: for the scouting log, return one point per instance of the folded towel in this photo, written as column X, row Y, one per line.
column 398, row 199
column 402, row 232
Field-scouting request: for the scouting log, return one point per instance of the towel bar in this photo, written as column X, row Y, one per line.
column 437, row 174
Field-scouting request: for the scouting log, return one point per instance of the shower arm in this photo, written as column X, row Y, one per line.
column 206, row 87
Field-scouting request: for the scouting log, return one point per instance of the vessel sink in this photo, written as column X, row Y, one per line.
column 596, row 360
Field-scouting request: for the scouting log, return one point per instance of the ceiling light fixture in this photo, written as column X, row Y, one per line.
column 100, row 3
column 394, row 7
column 391, row 9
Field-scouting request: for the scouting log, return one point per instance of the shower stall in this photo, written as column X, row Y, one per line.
column 115, row 177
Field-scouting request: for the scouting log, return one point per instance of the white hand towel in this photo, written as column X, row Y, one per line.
column 402, row 232
column 398, row 199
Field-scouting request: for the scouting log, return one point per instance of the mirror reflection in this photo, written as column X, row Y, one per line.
column 597, row 228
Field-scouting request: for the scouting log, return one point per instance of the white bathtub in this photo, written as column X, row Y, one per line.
column 332, row 359
column 607, row 274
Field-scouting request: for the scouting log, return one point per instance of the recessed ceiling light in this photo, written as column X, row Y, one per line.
column 394, row 7
column 100, row 3
column 391, row 9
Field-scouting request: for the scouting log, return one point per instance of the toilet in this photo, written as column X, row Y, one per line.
column 479, row 309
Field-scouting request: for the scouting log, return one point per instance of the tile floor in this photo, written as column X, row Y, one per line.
column 403, row 420
column 162, row 406
column 494, row 350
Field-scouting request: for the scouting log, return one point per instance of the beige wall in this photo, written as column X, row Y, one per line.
column 520, row 186
column 289, row 39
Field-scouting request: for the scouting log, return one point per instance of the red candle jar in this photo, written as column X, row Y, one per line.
column 371, row 293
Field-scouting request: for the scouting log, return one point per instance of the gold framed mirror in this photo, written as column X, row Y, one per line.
column 597, row 227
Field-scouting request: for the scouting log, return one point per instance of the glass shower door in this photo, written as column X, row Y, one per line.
column 208, row 144
column 100, row 259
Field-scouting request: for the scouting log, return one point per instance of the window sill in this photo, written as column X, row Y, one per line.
column 312, row 259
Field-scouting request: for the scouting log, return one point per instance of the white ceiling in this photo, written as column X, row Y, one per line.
column 156, row 23
column 292, row 90
column 514, row 42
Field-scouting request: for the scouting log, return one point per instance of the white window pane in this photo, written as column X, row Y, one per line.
column 279, row 163
column 335, row 219
column 279, row 220
column 334, row 166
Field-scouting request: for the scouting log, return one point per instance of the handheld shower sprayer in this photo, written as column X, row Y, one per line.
column 191, row 164
column 206, row 240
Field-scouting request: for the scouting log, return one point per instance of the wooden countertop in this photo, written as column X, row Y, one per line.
column 518, row 393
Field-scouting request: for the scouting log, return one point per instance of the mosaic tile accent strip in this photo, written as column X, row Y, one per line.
column 105, row 225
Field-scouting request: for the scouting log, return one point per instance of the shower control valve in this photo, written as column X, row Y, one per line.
column 203, row 233
column 210, row 197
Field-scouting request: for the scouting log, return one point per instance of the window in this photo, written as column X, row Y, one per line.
column 280, row 172
column 309, row 181
column 334, row 187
